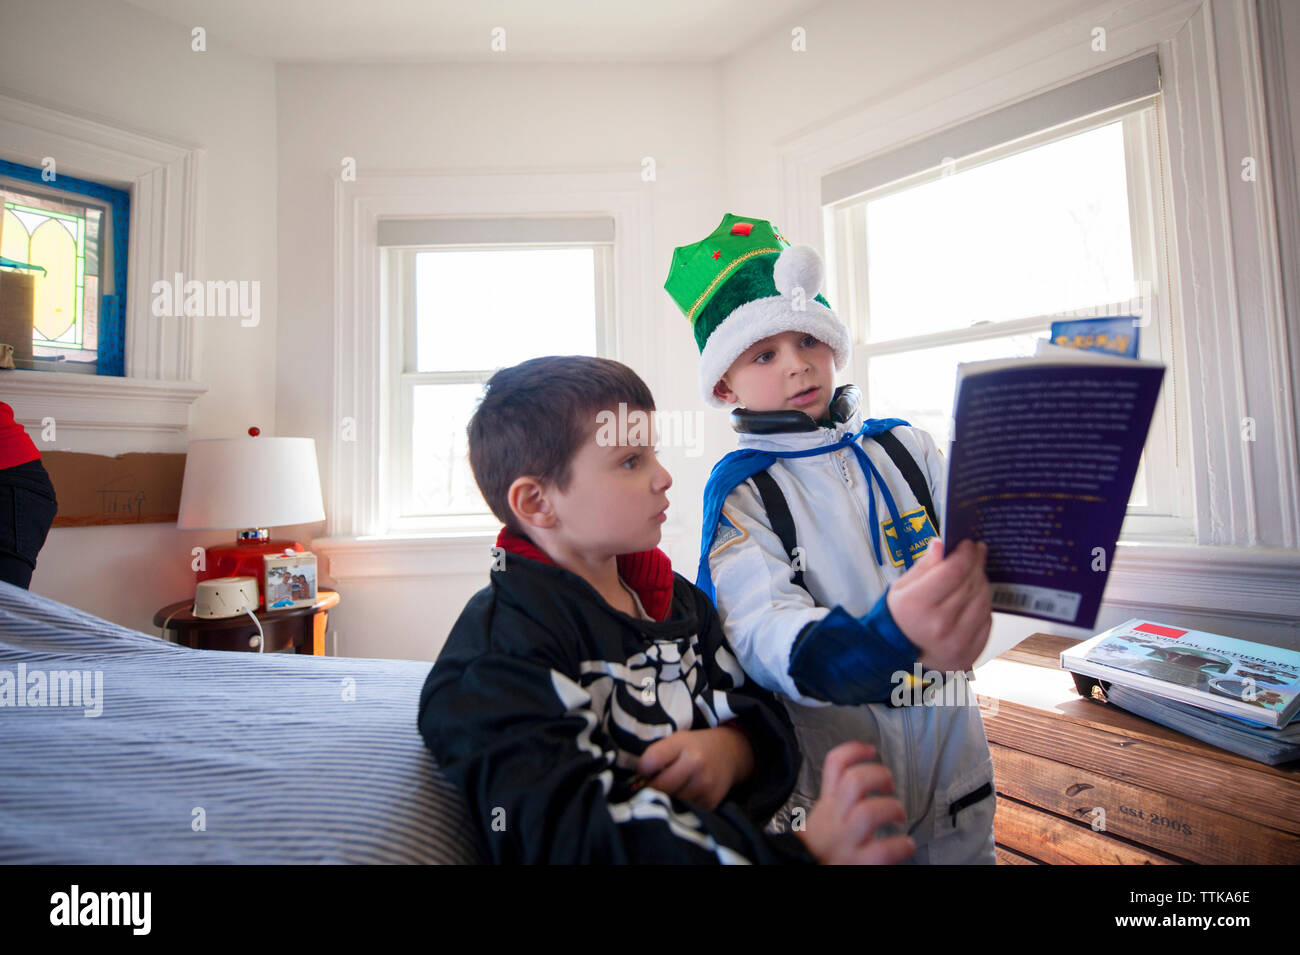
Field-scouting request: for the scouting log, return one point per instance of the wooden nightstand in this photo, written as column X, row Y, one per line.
column 1167, row 798
column 296, row 630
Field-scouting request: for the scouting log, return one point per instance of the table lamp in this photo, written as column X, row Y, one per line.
column 248, row 485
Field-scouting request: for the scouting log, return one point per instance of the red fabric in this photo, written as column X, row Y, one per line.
column 15, row 446
column 648, row 572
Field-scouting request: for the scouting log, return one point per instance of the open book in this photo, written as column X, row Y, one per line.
column 1041, row 468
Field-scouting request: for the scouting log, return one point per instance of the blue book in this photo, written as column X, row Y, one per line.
column 1110, row 336
column 1041, row 468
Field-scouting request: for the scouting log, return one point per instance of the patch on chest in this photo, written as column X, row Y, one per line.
column 729, row 531
column 913, row 537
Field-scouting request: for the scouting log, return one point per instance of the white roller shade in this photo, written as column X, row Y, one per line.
column 585, row 230
column 1129, row 82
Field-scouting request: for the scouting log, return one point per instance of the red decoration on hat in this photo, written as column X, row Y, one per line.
column 254, row 431
column 742, row 228
column 717, row 254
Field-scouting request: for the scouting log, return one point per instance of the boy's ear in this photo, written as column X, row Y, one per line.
column 723, row 391
column 528, row 502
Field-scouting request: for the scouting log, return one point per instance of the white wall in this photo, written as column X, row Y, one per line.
column 110, row 61
column 482, row 118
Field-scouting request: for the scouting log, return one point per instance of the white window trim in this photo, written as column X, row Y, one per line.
column 1284, row 158
column 401, row 301
column 398, row 557
column 151, row 404
column 1228, row 283
column 356, row 541
column 1167, row 517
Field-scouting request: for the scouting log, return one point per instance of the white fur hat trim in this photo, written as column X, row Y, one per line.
column 755, row 321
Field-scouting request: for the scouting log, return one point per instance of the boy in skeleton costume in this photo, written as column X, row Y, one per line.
column 817, row 539
column 586, row 702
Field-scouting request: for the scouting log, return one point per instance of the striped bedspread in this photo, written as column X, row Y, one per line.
column 158, row 753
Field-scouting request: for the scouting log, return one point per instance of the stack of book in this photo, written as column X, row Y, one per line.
column 1241, row 696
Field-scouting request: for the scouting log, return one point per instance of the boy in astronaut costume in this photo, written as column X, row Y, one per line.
column 821, row 544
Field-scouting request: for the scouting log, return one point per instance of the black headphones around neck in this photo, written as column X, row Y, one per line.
column 843, row 404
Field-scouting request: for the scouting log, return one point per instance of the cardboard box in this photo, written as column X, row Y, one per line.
column 17, row 307
column 1084, row 782
column 135, row 488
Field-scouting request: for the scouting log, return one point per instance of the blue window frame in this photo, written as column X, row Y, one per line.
column 112, row 308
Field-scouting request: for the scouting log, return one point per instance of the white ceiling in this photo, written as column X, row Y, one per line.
column 536, row 31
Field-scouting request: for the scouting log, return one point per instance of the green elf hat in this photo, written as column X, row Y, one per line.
column 743, row 283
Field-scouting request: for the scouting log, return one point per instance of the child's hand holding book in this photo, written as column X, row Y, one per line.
column 944, row 605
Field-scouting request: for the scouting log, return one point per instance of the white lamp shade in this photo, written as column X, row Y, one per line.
column 236, row 483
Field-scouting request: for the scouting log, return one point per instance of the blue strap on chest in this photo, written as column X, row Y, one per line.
column 740, row 465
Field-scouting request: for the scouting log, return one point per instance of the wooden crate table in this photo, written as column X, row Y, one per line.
column 1164, row 798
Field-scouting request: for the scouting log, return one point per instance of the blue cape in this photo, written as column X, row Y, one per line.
column 740, row 465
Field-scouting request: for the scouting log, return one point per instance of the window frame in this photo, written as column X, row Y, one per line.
column 398, row 280
column 355, row 494
column 111, row 337
column 1167, row 515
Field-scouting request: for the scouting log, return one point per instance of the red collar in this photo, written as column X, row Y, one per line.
column 648, row 572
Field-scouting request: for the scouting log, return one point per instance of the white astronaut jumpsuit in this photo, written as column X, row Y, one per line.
column 937, row 753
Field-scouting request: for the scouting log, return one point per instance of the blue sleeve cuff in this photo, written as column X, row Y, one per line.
column 880, row 620
column 851, row 660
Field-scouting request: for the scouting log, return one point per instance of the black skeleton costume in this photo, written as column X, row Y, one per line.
column 545, row 696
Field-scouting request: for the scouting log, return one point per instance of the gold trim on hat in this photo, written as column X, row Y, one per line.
column 722, row 275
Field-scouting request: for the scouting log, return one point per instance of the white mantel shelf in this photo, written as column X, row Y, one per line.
column 98, row 402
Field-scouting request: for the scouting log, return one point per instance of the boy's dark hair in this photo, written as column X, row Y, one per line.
column 535, row 416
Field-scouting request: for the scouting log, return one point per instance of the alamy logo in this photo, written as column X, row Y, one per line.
column 178, row 298
column 636, row 427
column 935, row 688
column 102, row 908
column 26, row 687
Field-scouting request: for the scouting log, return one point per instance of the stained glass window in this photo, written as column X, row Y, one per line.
column 63, row 267
column 66, row 293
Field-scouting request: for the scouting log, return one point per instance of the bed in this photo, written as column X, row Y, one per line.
column 209, row 756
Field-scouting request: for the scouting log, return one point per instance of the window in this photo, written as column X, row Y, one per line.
column 63, row 255
column 976, row 257
column 458, row 311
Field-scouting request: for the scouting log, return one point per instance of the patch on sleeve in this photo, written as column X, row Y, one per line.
column 729, row 531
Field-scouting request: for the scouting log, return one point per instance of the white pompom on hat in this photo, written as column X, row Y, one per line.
column 799, row 267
